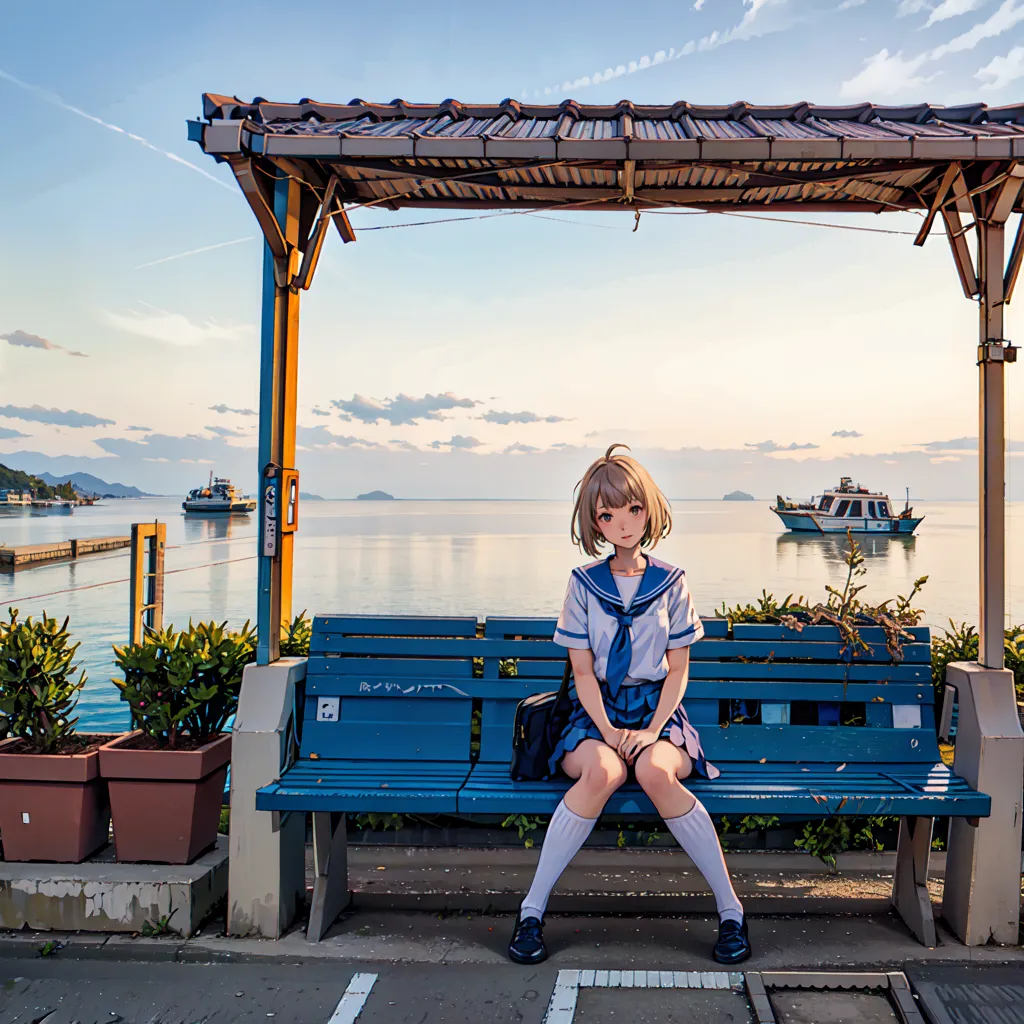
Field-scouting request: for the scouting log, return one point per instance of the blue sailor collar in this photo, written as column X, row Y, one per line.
column 598, row 579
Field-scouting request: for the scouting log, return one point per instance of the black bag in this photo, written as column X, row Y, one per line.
column 540, row 720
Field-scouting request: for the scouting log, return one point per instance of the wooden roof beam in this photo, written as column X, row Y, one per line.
column 311, row 257
column 940, row 197
column 955, row 232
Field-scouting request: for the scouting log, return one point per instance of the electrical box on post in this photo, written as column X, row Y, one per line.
column 270, row 485
column 290, row 500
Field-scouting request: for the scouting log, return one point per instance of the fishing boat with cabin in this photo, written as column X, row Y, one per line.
column 218, row 497
column 846, row 507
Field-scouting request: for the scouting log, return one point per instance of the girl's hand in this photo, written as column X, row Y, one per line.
column 635, row 742
column 614, row 738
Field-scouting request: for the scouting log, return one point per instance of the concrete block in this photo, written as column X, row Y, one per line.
column 268, row 879
column 104, row 896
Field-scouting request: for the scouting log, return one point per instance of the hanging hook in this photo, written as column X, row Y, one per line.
column 636, row 223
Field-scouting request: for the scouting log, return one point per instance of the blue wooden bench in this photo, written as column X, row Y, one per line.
column 414, row 714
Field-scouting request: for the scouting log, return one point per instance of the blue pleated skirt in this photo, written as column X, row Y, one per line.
column 632, row 708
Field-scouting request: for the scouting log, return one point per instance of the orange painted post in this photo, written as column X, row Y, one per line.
column 147, row 579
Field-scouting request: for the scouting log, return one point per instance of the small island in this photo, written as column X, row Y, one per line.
column 306, row 496
column 375, row 496
column 738, row 496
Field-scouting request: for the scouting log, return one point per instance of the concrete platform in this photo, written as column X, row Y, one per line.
column 422, row 969
column 611, row 881
column 104, row 896
column 28, row 555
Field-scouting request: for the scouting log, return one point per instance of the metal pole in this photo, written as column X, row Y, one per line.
column 278, row 394
column 991, row 447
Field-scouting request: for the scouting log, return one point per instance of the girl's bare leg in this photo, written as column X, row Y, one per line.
column 598, row 771
column 658, row 770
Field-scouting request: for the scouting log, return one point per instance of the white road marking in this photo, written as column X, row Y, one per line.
column 562, row 1007
column 354, row 998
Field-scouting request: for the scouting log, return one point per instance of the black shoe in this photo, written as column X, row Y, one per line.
column 733, row 946
column 527, row 945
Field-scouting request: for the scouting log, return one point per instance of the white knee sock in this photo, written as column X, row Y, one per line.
column 566, row 833
column 695, row 833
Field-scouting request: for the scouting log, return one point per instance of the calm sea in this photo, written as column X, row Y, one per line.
column 465, row 557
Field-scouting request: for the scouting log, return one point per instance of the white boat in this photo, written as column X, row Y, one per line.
column 219, row 497
column 846, row 507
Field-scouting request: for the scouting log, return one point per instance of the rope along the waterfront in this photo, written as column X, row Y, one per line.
column 111, row 583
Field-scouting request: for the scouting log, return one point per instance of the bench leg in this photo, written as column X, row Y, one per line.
column 330, row 873
column 910, row 884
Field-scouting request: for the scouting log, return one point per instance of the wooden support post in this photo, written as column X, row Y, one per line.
column 147, row 579
column 278, row 396
column 910, row 884
column 991, row 425
column 330, row 870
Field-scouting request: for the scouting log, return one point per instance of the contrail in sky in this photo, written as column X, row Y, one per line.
column 52, row 97
column 193, row 252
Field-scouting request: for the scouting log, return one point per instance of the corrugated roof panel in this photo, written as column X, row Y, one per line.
column 659, row 131
column 931, row 130
column 528, row 128
column 722, row 130
column 783, row 129
column 596, row 129
column 390, row 129
column 856, row 130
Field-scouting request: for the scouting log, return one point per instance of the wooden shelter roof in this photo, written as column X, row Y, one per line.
column 865, row 158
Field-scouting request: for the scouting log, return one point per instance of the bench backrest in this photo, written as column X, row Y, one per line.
column 413, row 688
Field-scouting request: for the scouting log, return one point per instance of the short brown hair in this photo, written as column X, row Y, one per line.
column 617, row 480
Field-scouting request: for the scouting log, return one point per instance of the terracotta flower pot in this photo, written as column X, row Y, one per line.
column 53, row 807
column 165, row 803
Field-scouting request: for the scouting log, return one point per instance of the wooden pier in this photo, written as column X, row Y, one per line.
column 29, row 555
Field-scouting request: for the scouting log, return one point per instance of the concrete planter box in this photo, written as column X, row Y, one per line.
column 100, row 895
column 53, row 807
column 165, row 803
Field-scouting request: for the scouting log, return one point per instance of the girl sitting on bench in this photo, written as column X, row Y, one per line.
column 627, row 622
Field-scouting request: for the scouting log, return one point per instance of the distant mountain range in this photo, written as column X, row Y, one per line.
column 87, row 484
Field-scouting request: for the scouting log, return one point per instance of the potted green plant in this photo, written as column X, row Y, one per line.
column 53, row 803
column 166, row 777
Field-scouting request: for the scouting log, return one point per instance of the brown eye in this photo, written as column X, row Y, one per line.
column 637, row 509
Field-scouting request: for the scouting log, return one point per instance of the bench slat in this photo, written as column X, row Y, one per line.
column 379, row 668
column 702, row 650
column 379, row 683
column 405, row 728
column 500, row 626
column 930, row 791
column 777, row 631
column 729, row 670
column 373, row 786
column 395, row 625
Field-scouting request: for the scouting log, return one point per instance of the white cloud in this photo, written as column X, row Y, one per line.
column 403, row 409
column 886, row 74
column 176, row 329
column 1002, row 70
column 952, row 9
column 746, row 29
column 847, row 5
column 457, row 441
column 908, row 7
column 1008, row 15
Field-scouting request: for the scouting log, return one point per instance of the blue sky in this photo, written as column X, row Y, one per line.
column 488, row 358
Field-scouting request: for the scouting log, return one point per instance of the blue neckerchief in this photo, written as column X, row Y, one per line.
column 598, row 580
